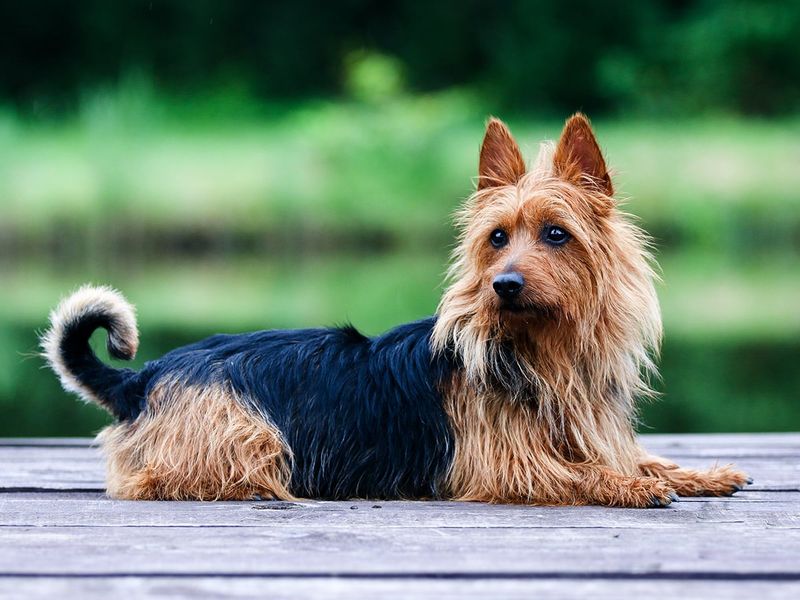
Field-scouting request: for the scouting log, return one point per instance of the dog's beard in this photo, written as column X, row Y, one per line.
column 511, row 352
column 510, row 373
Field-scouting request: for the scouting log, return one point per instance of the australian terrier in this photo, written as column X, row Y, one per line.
column 521, row 389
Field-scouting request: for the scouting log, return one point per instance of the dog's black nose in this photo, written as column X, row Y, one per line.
column 508, row 285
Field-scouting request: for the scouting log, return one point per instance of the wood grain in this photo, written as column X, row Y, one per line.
column 81, row 467
column 380, row 550
column 330, row 588
column 747, row 510
column 61, row 536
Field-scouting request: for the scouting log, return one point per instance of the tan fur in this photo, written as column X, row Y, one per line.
column 196, row 443
column 551, row 421
column 504, row 454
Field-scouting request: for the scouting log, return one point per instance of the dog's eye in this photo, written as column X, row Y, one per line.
column 555, row 235
column 498, row 238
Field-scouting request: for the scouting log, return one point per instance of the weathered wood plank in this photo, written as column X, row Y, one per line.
column 81, row 544
column 81, row 467
column 502, row 551
column 708, row 440
column 67, row 442
column 329, row 588
column 70, row 510
column 749, row 495
column 661, row 440
column 51, row 467
column 724, row 446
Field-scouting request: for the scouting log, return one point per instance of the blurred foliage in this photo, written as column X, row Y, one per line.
column 229, row 215
column 242, row 165
column 655, row 56
column 373, row 77
column 138, row 168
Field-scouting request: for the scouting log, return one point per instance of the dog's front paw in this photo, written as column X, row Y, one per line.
column 644, row 492
column 660, row 501
column 661, row 495
column 725, row 481
column 719, row 481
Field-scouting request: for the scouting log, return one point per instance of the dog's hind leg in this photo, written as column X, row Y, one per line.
column 717, row 481
column 196, row 443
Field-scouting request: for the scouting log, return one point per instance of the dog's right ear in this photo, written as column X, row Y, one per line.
column 578, row 157
column 501, row 162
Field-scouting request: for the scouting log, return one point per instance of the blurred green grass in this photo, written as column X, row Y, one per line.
column 398, row 167
column 345, row 210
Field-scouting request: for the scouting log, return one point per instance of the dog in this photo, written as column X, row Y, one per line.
column 521, row 389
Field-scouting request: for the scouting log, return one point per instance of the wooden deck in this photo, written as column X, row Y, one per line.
column 60, row 536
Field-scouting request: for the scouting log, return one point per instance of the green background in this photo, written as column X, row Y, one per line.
column 282, row 164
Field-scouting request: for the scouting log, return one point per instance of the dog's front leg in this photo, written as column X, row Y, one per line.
column 604, row 486
column 718, row 481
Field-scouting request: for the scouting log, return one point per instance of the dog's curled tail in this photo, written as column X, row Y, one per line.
column 66, row 347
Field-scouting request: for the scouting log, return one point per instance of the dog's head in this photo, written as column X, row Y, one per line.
column 547, row 264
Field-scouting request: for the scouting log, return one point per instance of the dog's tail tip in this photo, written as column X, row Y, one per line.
column 103, row 306
column 65, row 344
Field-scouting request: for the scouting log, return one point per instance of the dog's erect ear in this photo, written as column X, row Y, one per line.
column 578, row 157
column 501, row 161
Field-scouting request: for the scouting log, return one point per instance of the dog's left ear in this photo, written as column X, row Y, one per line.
column 578, row 157
column 501, row 161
